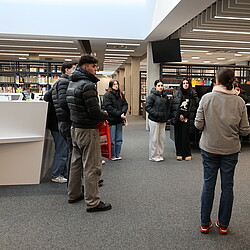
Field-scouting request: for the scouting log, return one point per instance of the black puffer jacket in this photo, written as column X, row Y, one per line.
column 59, row 98
column 52, row 121
column 115, row 104
column 178, row 97
column 157, row 106
column 82, row 100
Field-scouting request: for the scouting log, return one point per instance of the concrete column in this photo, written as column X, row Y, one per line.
column 33, row 56
column 153, row 69
column 153, row 73
column 127, row 84
column 135, row 85
column 120, row 78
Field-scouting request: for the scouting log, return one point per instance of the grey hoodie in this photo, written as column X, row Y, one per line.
column 222, row 117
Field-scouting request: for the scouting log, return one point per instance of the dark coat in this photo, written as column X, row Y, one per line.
column 82, row 99
column 115, row 104
column 59, row 98
column 157, row 106
column 52, row 121
column 178, row 97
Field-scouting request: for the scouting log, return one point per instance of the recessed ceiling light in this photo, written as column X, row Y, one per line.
column 211, row 40
column 116, row 55
column 194, row 50
column 22, row 58
column 223, row 31
column 209, row 54
column 121, row 50
column 40, row 47
column 14, row 54
column 33, row 51
column 232, row 17
column 214, row 47
column 195, row 57
column 207, row 61
column 34, row 40
column 244, row 52
column 67, row 60
column 238, row 54
column 124, row 44
column 184, row 61
column 59, row 55
column 221, row 58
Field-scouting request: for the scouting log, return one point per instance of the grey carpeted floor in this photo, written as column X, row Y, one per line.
column 155, row 206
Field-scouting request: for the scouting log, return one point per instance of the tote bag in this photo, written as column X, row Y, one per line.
column 104, row 131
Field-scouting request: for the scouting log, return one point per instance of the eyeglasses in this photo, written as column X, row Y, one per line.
column 159, row 85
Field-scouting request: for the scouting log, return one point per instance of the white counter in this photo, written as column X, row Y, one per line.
column 22, row 133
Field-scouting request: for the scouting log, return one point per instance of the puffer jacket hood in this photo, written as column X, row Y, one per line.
column 82, row 74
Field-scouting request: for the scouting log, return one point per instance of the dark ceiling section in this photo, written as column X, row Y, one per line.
column 85, row 46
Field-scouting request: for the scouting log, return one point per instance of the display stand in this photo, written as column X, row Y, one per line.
column 22, row 133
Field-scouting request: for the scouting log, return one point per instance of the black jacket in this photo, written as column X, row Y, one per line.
column 115, row 104
column 157, row 106
column 178, row 97
column 52, row 122
column 82, row 100
column 59, row 98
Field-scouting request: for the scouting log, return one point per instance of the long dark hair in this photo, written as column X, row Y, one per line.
column 189, row 84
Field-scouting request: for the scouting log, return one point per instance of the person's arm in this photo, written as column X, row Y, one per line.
column 149, row 107
column 62, row 89
column 199, row 121
column 244, row 124
column 90, row 97
column 48, row 96
column 108, row 106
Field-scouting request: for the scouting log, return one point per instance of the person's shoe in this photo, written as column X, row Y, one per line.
column 113, row 159
column 223, row 230
column 100, row 183
column 159, row 159
column 179, row 158
column 188, row 158
column 118, row 158
column 205, row 229
column 100, row 207
column 81, row 197
column 103, row 162
column 59, row 179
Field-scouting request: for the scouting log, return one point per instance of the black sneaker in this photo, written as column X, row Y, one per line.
column 81, row 197
column 100, row 207
column 100, row 183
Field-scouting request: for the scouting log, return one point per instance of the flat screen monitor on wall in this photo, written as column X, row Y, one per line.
column 166, row 51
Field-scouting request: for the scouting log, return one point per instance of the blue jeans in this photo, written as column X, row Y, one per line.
column 59, row 166
column 212, row 163
column 116, row 139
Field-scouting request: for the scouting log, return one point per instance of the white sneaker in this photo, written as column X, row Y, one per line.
column 59, row 179
column 118, row 158
column 103, row 162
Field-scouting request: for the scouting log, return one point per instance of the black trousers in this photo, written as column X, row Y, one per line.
column 182, row 141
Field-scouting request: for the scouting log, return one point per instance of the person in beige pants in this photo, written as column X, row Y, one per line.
column 157, row 106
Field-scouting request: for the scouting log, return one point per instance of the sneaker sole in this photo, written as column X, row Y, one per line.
column 222, row 231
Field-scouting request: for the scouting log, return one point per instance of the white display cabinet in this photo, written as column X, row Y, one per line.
column 22, row 134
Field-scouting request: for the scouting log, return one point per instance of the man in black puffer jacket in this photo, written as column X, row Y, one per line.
column 85, row 114
column 61, row 107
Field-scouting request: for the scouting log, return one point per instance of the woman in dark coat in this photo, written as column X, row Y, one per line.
column 183, row 109
column 116, row 105
column 157, row 106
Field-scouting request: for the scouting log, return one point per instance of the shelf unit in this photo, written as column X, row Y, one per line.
column 200, row 74
column 143, row 89
column 28, row 75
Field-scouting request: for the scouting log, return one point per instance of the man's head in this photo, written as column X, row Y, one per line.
column 89, row 63
column 68, row 67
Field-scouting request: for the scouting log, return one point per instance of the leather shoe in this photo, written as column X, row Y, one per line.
column 81, row 197
column 100, row 207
